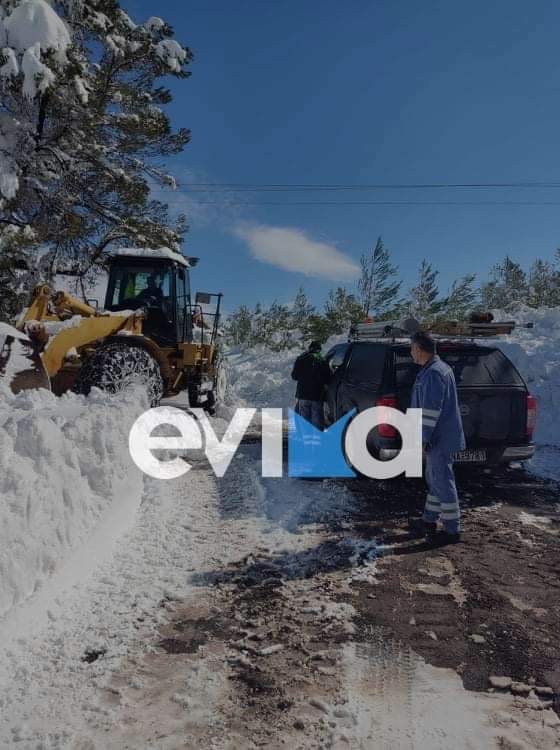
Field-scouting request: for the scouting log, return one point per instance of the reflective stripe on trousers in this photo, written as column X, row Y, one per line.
column 442, row 501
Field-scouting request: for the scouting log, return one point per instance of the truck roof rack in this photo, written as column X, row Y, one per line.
column 480, row 325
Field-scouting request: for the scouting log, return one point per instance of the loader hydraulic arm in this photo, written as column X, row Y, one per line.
column 89, row 327
column 63, row 304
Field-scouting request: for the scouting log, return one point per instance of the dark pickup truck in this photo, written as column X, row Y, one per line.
column 497, row 410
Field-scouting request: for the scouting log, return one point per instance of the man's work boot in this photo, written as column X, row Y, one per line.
column 430, row 532
column 447, row 537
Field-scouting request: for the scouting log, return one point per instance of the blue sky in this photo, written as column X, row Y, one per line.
column 364, row 92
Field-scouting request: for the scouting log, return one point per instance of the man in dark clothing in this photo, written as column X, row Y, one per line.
column 312, row 374
column 152, row 294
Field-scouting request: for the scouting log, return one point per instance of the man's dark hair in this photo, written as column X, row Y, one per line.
column 315, row 346
column 424, row 341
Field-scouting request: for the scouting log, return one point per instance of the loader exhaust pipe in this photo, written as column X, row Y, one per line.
column 21, row 366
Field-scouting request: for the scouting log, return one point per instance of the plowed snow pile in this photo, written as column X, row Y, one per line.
column 536, row 354
column 64, row 466
column 260, row 377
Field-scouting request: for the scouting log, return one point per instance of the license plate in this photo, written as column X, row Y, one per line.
column 464, row 457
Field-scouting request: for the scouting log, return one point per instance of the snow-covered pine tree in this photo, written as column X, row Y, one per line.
column 301, row 313
column 461, row 300
column 507, row 288
column 260, row 332
column 556, row 279
column 378, row 286
column 342, row 308
column 82, row 128
column 280, row 332
column 543, row 285
column 422, row 300
column 239, row 326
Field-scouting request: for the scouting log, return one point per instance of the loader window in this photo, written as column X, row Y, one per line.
column 140, row 284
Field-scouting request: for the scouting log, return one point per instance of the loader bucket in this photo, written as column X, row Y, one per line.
column 21, row 366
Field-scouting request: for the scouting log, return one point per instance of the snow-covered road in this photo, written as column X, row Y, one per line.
column 224, row 613
column 217, row 622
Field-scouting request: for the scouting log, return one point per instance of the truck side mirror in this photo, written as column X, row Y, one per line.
column 202, row 298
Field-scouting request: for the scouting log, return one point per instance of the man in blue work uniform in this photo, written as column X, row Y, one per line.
column 435, row 392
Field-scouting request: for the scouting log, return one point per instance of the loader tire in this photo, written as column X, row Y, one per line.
column 220, row 382
column 194, row 396
column 218, row 393
column 119, row 367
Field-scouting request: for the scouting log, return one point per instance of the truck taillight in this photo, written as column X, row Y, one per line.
column 387, row 430
column 531, row 415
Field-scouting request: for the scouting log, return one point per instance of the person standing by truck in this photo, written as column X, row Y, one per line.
column 435, row 392
column 312, row 375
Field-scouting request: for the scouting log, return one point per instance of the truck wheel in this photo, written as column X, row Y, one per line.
column 119, row 367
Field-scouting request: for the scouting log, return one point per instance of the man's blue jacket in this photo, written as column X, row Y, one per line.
column 435, row 392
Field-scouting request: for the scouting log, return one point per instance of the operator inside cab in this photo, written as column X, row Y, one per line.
column 152, row 294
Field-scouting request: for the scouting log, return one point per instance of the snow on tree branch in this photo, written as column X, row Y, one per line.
column 83, row 129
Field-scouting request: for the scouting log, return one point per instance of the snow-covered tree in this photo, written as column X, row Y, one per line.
column 259, row 324
column 378, row 286
column 507, row 288
column 543, row 285
column 239, row 326
column 281, row 333
column 422, row 300
column 461, row 300
column 342, row 308
column 82, row 130
column 301, row 313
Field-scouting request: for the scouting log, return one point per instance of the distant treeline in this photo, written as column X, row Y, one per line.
column 379, row 294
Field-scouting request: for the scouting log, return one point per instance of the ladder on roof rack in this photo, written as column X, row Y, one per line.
column 478, row 327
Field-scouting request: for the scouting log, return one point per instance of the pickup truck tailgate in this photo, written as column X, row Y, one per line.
column 493, row 416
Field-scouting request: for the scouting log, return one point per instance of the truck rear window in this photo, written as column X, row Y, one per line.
column 471, row 368
column 367, row 363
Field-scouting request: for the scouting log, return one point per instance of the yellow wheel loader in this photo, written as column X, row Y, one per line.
column 148, row 333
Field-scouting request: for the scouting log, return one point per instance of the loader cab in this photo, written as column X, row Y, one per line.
column 161, row 286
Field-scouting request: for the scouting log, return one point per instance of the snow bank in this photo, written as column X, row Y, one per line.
column 8, row 330
column 64, row 463
column 260, row 377
column 536, row 354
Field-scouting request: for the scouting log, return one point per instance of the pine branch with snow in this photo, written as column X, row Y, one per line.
column 82, row 130
column 507, row 288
